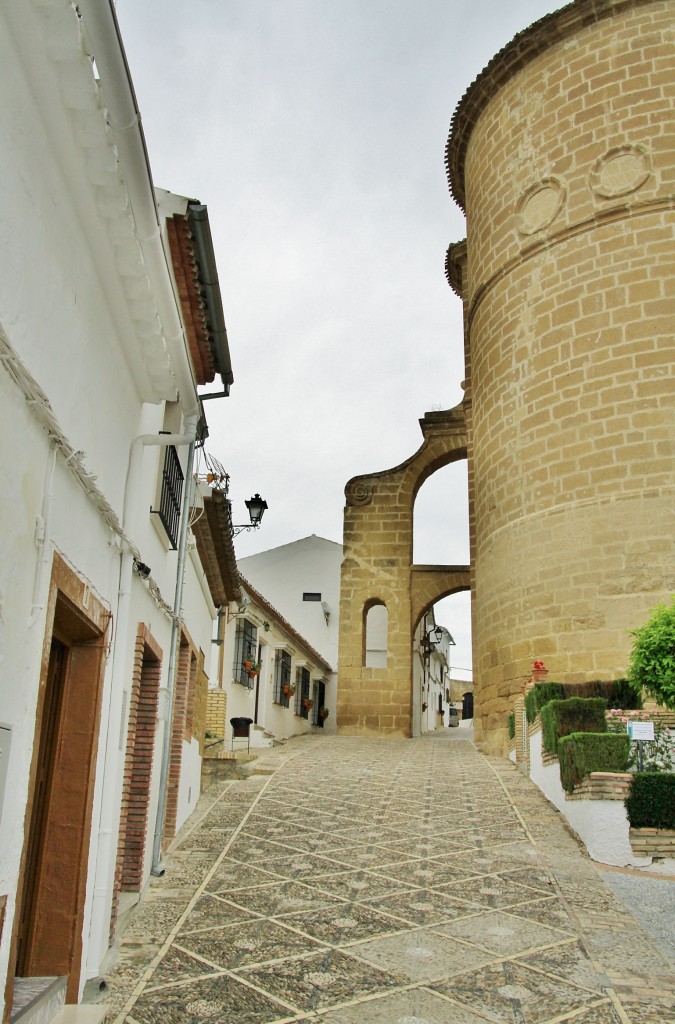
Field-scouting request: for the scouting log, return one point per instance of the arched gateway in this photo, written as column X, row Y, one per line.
column 378, row 570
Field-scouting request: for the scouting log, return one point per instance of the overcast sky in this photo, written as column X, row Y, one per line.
column 314, row 131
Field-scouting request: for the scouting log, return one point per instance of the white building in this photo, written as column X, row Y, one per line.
column 302, row 580
column 274, row 678
column 110, row 317
column 431, row 675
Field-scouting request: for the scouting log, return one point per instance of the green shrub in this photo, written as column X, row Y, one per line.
column 625, row 696
column 651, row 803
column 618, row 692
column 539, row 695
column 581, row 753
column 652, row 659
column 512, row 726
column 575, row 714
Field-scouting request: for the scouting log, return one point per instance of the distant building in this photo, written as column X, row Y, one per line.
column 275, row 684
column 302, row 580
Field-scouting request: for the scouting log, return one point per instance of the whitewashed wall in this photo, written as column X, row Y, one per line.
column 284, row 573
column 75, row 312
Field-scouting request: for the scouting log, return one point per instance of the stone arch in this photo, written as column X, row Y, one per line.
column 431, row 583
column 378, row 539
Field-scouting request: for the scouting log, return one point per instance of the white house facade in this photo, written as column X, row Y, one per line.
column 302, row 580
column 110, row 318
column 277, row 684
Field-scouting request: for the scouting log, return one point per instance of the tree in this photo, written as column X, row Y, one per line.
column 652, row 659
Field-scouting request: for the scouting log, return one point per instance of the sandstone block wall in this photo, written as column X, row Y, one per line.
column 377, row 569
column 563, row 155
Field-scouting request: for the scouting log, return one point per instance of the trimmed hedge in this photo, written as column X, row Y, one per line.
column 651, row 803
column 618, row 693
column 539, row 695
column 581, row 753
column 576, row 714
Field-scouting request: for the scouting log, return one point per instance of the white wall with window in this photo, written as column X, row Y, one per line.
column 274, row 677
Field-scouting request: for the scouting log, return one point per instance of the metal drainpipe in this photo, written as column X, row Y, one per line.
column 157, row 868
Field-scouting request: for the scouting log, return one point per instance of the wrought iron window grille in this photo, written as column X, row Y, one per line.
column 170, row 498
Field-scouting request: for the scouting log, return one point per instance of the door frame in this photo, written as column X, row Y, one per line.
column 79, row 620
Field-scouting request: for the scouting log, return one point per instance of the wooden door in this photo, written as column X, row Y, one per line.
column 50, row 735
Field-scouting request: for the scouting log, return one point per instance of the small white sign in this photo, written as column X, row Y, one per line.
column 641, row 730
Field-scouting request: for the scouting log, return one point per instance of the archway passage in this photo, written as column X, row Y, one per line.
column 378, row 570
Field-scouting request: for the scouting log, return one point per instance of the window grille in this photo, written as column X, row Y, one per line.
column 245, row 649
column 172, row 491
column 282, row 677
column 302, row 692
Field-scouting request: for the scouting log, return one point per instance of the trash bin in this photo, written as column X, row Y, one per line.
column 241, row 730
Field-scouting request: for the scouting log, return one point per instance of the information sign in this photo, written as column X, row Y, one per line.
column 641, row 730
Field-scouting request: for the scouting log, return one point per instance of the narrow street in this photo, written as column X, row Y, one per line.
column 386, row 882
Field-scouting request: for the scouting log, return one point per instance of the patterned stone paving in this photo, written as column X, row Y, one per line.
column 384, row 882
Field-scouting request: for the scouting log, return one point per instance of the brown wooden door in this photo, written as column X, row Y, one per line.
column 49, row 742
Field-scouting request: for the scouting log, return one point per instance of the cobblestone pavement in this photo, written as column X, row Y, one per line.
column 384, row 882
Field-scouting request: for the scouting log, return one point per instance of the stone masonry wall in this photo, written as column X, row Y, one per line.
column 569, row 294
column 377, row 569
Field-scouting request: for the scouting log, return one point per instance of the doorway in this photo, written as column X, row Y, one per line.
column 52, row 884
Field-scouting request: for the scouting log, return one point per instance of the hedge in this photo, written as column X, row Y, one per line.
column 512, row 726
column 581, row 753
column 651, row 803
column 618, row 692
column 539, row 695
column 576, row 714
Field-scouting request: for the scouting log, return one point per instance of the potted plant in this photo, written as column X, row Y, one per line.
column 323, row 712
column 287, row 689
column 539, row 671
column 248, row 662
column 307, row 704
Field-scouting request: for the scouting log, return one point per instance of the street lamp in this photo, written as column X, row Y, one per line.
column 432, row 639
column 256, row 509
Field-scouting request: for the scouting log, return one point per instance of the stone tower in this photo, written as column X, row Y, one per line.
column 562, row 155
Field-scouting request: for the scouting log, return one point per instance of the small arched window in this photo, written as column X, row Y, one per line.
column 375, row 629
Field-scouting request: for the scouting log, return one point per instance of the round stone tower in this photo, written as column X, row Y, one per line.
column 562, row 154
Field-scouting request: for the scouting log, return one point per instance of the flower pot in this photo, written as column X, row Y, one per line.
column 247, row 664
column 539, row 671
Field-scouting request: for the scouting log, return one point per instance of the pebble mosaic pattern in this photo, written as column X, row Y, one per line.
column 383, row 882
